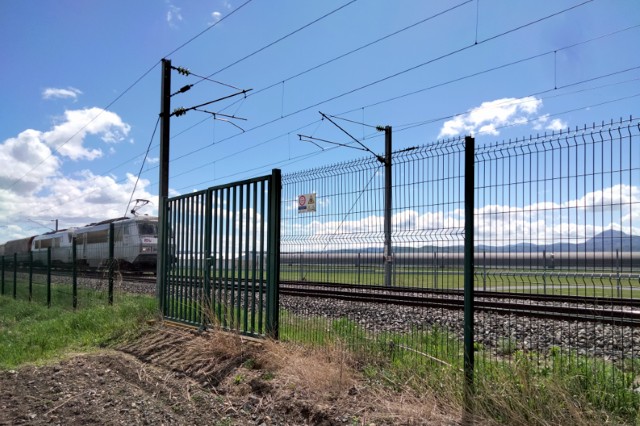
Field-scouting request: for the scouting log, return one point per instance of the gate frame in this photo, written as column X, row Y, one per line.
column 272, row 314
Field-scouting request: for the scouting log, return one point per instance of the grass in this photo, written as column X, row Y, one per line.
column 525, row 281
column 33, row 333
column 558, row 387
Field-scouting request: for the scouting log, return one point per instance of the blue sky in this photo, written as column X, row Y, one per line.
column 65, row 157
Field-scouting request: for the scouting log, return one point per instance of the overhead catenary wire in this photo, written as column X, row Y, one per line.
column 403, row 127
column 135, row 186
column 123, row 93
column 406, row 70
column 359, row 48
column 353, row 51
column 421, row 90
column 204, row 120
column 297, row 30
column 315, row 153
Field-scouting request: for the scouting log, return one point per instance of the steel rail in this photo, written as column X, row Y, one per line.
column 630, row 318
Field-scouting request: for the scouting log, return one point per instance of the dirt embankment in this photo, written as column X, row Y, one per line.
column 172, row 376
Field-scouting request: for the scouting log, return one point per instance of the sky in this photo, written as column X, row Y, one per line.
column 81, row 84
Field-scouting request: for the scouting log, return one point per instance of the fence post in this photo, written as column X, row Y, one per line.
column 273, row 255
column 618, row 283
column 164, row 238
column 111, row 261
column 388, row 193
column 74, row 272
column 30, row 276
column 49, row 277
column 2, row 279
column 469, row 184
column 15, row 275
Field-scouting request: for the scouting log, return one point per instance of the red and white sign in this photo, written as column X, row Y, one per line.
column 307, row 203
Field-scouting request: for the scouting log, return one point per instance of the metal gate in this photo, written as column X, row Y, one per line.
column 219, row 257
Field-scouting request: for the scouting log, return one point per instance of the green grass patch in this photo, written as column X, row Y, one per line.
column 558, row 387
column 33, row 333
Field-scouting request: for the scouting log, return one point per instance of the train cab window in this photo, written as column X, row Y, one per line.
column 97, row 237
column 148, row 229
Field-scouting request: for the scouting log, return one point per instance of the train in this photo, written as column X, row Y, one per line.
column 135, row 245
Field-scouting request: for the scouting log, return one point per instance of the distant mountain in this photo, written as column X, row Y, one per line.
column 607, row 241
column 612, row 240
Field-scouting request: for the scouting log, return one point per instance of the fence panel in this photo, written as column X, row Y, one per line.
column 221, row 271
column 333, row 265
column 57, row 276
column 556, row 254
column 558, row 245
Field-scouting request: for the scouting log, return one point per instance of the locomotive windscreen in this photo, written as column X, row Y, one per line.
column 148, row 229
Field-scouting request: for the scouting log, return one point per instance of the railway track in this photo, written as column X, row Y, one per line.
column 613, row 311
column 565, row 308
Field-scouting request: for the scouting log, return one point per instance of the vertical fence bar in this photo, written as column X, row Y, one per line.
column 49, row 277
column 469, row 184
column 74, row 272
column 232, row 286
column 254, row 257
column 207, row 258
column 111, row 261
column 30, row 275
column 15, row 275
column 2, row 278
column 247, row 238
column 273, row 254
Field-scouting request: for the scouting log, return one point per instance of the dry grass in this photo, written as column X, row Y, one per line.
column 316, row 385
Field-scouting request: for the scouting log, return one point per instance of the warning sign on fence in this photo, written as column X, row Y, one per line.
column 307, row 203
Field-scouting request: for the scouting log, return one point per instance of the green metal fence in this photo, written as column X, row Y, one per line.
column 547, row 274
column 221, row 263
column 41, row 277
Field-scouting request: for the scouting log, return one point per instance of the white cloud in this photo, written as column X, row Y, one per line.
column 29, row 162
column 174, row 16
column 68, row 93
column 32, row 183
column 491, row 115
column 555, row 125
column 497, row 225
column 68, row 137
column 216, row 16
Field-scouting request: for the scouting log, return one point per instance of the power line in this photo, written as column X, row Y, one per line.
column 255, row 52
column 404, row 127
column 406, row 70
column 208, row 28
column 57, row 148
column 403, row 72
column 142, row 165
column 362, row 47
column 315, row 153
column 103, row 110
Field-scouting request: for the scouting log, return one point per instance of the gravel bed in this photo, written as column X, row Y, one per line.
column 502, row 333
